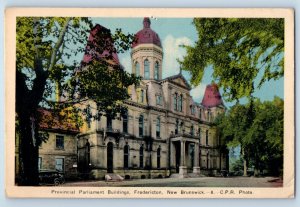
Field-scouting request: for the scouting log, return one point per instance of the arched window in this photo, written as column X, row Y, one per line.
column 88, row 116
column 137, row 69
column 158, row 157
column 156, row 71
column 158, row 127
column 208, row 116
column 146, row 69
column 141, row 125
column 177, row 126
column 109, row 122
column 125, row 122
column 192, row 130
column 200, row 114
column 175, row 101
column 206, row 137
column 180, row 102
column 126, row 156
column 141, row 156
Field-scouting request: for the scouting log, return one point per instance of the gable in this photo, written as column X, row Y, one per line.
column 180, row 81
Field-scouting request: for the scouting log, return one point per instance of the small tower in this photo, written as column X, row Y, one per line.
column 147, row 54
column 212, row 102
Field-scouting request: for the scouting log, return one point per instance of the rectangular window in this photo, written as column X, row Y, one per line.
column 59, row 164
column 206, row 138
column 175, row 101
column 40, row 163
column 59, row 142
column 109, row 123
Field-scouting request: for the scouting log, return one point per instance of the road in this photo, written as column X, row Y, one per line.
column 186, row 182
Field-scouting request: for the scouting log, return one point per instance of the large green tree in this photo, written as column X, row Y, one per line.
column 244, row 53
column 261, row 140
column 45, row 63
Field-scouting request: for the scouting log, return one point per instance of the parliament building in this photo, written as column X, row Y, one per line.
column 163, row 133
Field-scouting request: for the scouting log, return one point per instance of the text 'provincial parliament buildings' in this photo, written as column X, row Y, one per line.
column 163, row 133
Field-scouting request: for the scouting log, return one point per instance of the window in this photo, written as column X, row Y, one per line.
column 137, row 69
column 59, row 164
column 200, row 114
column 142, row 96
column 192, row 110
column 156, row 71
column 40, row 163
column 109, row 122
column 158, row 157
column 158, row 100
column 208, row 116
column 175, row 101
column 180, row 102
column 158, row 127
column 192, row 130
column 141, row 125
column 59, row 142
column 88, row 116
column 141, row 157
column 126, row 156
column 206, row 137
column 177, row 126
column 125, row 122
column 146, row 69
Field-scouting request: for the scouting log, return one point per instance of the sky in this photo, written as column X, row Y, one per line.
column 174, row 32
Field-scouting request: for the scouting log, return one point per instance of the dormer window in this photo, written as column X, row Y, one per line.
column 156, row 71
column 146, row 69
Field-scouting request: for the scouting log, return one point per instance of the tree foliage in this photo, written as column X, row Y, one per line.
column 261, row 139
column 46, row 48
column 244, row 53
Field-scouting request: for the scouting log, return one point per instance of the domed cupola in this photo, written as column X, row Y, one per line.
column 146, row 35
column 147, row 53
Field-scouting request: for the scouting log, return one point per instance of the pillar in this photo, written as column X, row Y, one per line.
column 182, row 167
column 196, row 168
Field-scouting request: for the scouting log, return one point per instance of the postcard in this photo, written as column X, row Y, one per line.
column 149, row 103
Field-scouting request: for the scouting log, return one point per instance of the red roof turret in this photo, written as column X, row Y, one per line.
column 212, row 96
column 146, row 35
column 100, row 46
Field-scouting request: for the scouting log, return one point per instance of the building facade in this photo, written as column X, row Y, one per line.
column 163, row 133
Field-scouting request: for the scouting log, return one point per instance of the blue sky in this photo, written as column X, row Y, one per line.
column 173, row 32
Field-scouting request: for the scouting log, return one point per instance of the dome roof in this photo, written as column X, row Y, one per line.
column 212, row 96
column 146, row 35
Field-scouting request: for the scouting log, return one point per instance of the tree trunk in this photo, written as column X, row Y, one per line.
column 245, row 163
column 28, row 152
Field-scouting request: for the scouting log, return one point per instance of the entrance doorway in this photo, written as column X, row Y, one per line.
column 110, row 157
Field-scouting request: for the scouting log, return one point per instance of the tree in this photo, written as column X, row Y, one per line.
column 44, row 49
column 244, row 53
column 261, row 140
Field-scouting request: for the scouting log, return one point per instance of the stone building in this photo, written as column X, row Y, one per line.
column 163, row 133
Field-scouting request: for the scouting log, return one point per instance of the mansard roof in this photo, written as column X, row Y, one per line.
column 212, row 96
column 179, row 80
column 100, row 46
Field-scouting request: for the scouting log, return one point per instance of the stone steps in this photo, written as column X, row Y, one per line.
column 112, row 177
